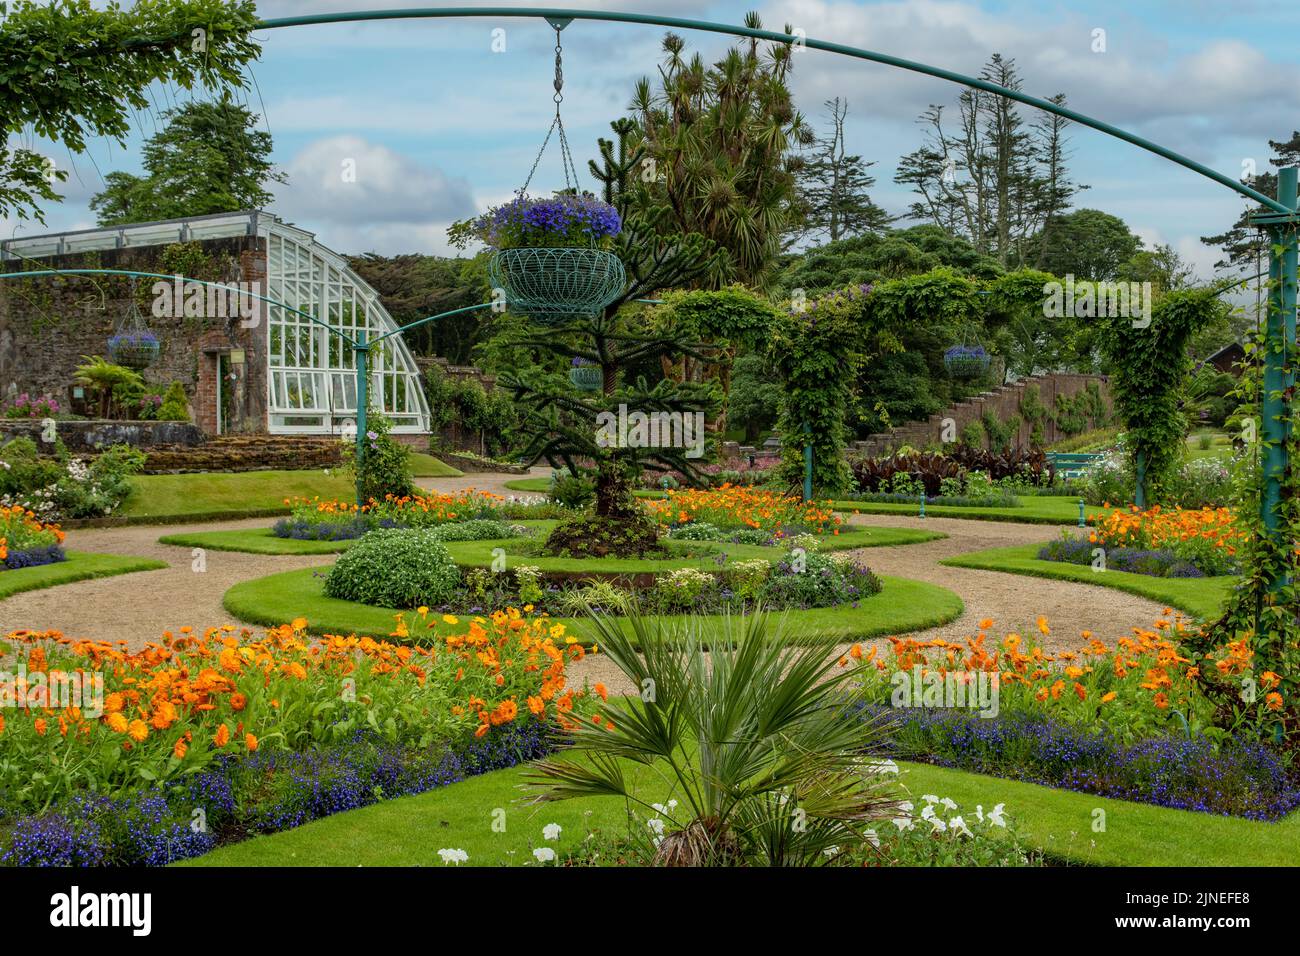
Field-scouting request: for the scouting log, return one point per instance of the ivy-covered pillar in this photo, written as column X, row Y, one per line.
column 1279, row 357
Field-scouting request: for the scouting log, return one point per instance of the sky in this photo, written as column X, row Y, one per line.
column 443, row 118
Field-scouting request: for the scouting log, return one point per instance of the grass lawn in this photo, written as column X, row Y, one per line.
column 80, row 566
column 1034, row 509
column 1200, row 597
column 537, row 486
column 902, row 606
column 411, row 830
column 479, row 553
column 246, row 493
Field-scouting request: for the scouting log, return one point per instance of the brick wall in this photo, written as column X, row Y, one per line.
column 47, row 325
column 1003, row 403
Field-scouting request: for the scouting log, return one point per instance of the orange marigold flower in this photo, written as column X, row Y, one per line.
column 250, row 742
column 180, row 748
column 116, row 723
column 137, row 730
column 1108, row 697
column 1273, row 701
column 222, row 736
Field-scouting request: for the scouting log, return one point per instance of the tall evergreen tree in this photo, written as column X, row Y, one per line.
column 210, row 158
column 833, row 187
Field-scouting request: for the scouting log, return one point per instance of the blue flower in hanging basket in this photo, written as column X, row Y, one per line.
column 966, row 361
column 549, row 259
column 135, row 349
column 586, row 376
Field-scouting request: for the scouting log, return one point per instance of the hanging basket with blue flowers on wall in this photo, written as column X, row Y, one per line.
column 133, row 345
column 586, row 376
column 967, row 362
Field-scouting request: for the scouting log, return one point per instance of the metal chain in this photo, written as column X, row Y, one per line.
column 566, row 157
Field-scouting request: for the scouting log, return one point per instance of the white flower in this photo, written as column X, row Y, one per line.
column 831, row 851
column 880, row 766
column 979, row 812
column 544, row 854
column 453, row 856
column 958, row 825
column 551, row 831
column 872, row 837
column 672, row 804
column 929, row 798
column 656, row 825
column 906, row 806
column 948, row 804
column 996, row 815
column 939, row 825
column 928, row 812
column 904, row 823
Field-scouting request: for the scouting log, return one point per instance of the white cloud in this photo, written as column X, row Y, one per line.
column 348, row 187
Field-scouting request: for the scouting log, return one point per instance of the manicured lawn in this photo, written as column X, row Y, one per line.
column 80, row 566
column 426, row 466
column 411, row 830
column 247, row 493
column 479, row 553
column 901, row 607
column 537, row 486
column 1200, row 597
column 1034, row 509
column 254, row 541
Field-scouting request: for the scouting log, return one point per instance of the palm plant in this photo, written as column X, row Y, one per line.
column 760, row 741
column 103, row 378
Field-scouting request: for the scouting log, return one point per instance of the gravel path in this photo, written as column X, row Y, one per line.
column 138, row 607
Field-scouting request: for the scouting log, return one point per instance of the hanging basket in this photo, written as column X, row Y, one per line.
column 967, row 361
column 587, row 378
column 554, row 286
column 134, row 349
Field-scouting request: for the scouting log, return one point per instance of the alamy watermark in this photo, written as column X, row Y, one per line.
column 973, row 690
column 187, row 298
column 651, row 430
column 1094, row 300
column 55, row 690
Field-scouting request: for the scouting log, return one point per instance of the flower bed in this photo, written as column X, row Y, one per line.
column 1160, row 563
column 731, row 506
column 1207, row 538
column 281, row 728
column 26, row 542
column 331, row 520
column 1127, row 722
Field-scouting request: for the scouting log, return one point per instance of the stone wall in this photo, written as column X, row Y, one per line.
column 48, row 324
column 96, row 434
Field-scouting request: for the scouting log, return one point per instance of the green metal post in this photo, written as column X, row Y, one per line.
column 1140, row 490
column 921, row 514
column 362, row 352
column 1279, row 346
column 807, row 462
column 1083, row 521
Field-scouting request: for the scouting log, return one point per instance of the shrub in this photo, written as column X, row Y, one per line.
column 396, row 568
column 684, row 587
column 175, row 405
column 572, row 491
column 385, row 467
column 819, row 580
column 477, row 529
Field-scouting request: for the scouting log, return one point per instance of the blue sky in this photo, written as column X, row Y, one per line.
column 439, row 126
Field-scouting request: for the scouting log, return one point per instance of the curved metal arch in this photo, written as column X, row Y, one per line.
column 682, row 23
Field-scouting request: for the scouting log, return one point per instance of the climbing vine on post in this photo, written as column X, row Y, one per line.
column 817, row 351
column 1249, row 659
column 1149, row 371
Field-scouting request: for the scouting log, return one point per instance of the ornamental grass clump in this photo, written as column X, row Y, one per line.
column 755, row 740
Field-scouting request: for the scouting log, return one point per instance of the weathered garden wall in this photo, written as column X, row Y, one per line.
column 48, row 325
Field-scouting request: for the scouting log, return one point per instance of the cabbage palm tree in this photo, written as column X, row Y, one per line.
column 760, row 740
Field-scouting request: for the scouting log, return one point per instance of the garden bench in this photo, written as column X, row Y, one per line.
column 1072, row 464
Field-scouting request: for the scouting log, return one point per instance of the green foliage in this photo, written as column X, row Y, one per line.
column 104, row 379
column 210, row 158
column 817, row 352
column 385, row 465
column 397, row 568
column 23, row 469
column 600, row 536
column 572, row 491
column 71, row 72
column 1149, row 380
column 729, row 316
column 61, row 487
column 722, row 137
column 175, row 405
column 972, row 435
column 759, row 724
column 1090, row 245
column 415, row 286
column 1000, row 433
column 1034, row 413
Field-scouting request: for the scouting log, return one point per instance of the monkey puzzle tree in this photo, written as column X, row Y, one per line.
column 604, row 430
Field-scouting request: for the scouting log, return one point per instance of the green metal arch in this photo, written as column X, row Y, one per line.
column 559, row 14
